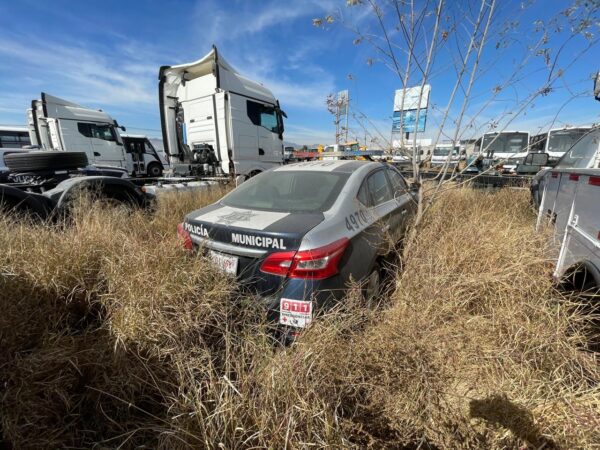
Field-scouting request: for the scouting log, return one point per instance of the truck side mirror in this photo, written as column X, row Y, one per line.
column 597, row 87
column 123, row 128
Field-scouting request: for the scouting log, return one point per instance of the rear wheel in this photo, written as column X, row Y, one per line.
column 372, row 286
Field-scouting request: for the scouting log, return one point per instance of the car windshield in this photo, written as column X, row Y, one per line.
column 504, row 143
column 562, row 140
column 288, row 191
column 583, row 153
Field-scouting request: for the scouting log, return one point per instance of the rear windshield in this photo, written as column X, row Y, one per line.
column 288, row 191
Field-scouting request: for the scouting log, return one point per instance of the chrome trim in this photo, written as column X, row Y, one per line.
column 228, row 248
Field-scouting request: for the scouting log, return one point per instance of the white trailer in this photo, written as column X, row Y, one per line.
column 216, row 122
column 59, row 125
column 570, row 194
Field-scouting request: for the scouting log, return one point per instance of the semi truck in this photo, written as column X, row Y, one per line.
column 503, row 148
column 60, row 125
column 218, row 123
column 557, row 141
column 447, row 154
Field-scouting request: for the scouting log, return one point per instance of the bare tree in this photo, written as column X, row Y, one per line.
column 462, row 42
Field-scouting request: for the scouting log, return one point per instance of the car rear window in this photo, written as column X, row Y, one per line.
column 288, row 191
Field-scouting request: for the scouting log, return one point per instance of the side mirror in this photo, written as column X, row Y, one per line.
column 597, row 87
column 123, row 128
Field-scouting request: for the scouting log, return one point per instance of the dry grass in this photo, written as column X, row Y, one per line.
column 112, row 336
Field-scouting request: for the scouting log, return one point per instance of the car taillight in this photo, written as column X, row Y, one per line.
column 316, row 263
column 186, row 236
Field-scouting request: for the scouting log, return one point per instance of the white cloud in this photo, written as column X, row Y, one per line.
column 290, row 72
column 301, row 135
column 80, row 73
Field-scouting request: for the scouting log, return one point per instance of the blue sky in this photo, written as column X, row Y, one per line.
column 107, row 54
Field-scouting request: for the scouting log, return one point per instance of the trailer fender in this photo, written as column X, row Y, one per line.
column 581, row 277
column 33, row 205
column 115, row 189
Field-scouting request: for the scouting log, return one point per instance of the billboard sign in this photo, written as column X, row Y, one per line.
column 409, row 98
column 408, row 118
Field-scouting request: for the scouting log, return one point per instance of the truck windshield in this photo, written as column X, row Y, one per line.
column 288, row 191
column 504, row 143
column 583, row 153
column 562, row 140
column 444, row 151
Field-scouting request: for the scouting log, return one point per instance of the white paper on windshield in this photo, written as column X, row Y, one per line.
column 243, row 218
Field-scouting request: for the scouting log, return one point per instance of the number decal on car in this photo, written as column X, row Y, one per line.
column 358, row 220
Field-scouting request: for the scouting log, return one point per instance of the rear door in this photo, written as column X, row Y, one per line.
column 380, row 199
column 405, row 205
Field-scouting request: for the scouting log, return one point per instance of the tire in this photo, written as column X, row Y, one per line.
column 45, row 160
column 372, row 286
column 154, row 170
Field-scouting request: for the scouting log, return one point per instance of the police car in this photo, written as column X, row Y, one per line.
column 299, row 234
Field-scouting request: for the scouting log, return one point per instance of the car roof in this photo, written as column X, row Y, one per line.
column 343, row 166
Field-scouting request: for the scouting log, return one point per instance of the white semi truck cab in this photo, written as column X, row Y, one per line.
column 60, row 125
column 216, row 122
column 506, row 148
column 557, row 141
column 447, row 154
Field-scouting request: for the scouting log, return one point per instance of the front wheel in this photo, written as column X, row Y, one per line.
column 154, row 170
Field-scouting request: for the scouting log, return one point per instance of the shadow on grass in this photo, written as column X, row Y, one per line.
column 499, row 411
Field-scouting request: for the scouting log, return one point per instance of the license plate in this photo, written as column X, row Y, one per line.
column 296, row 313
column 225, row 263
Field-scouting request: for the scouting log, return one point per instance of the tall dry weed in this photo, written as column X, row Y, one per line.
column 112, row 336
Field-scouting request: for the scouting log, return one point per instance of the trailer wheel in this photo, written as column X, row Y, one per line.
column 154, row 170
column 45, row 160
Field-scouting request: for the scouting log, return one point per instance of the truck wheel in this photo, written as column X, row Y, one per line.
column 154, row 170
column 45, row 160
